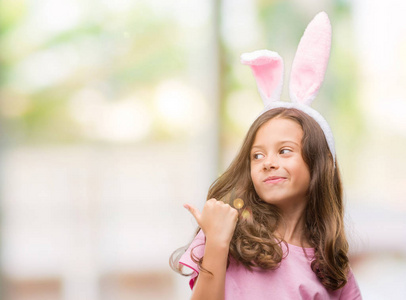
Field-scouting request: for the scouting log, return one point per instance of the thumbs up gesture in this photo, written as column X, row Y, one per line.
column 217, row 220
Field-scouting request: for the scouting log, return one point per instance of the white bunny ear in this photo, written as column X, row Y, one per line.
column 310, row 63
column 267, row 67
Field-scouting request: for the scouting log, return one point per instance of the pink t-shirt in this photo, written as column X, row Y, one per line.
column 294, row 279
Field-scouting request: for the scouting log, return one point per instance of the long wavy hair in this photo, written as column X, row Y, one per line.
column 254, row 243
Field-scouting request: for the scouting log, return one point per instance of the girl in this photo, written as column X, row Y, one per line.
column 283, row 236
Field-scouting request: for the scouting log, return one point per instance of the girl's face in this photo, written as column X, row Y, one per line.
column 278, row 171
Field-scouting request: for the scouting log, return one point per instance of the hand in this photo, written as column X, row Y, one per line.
column 217, row 220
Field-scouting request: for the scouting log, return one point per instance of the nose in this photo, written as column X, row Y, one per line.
column 270, row 163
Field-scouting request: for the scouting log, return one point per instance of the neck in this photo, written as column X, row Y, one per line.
column 291, row 227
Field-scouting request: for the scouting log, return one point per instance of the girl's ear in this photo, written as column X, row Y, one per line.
column 311, row 59
column 267, row 67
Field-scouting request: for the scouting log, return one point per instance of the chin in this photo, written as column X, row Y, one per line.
column 283, row 200
column 273, row 201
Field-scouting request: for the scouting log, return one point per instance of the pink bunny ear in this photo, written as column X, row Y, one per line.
column 267, row 67
column 310, row 63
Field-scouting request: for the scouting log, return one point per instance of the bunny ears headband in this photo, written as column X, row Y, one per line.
column 308, row 69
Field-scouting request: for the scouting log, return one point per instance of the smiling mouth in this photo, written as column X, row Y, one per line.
column 274, row 180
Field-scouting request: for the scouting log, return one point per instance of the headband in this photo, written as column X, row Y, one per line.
column 307, row 74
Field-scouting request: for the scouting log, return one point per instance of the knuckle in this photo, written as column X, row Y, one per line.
column 209, row 202
column 223, row 205
column 219, row 203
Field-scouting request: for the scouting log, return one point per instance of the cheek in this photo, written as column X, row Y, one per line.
column 254, row 172
column 304, row 175
column 301, row 170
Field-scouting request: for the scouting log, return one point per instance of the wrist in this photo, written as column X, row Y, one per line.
column 215, row 256
column 217, row 244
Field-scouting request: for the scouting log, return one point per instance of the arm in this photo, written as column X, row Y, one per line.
column 210, row 286
column 218, row 221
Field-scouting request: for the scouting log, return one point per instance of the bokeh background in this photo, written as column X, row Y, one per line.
column 115, row 113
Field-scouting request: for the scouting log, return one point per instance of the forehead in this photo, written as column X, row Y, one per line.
column 279, row 129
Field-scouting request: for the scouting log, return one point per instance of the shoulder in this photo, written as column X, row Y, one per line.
column 199, row 241
column 197, row 245
column 351, row 290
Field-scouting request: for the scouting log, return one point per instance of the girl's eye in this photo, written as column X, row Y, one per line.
column 258, row 156
column 283, row 151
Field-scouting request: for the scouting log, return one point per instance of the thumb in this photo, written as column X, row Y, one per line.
column 193, row 210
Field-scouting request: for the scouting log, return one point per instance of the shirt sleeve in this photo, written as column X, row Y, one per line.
column 198, row 245
column 351, row 290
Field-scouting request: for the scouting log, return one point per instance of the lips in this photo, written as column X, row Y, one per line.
column 274, row 179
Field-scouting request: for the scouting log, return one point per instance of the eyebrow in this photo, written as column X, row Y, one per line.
column 281, row 142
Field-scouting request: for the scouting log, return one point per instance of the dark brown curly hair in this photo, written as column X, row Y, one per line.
column 254, row 243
